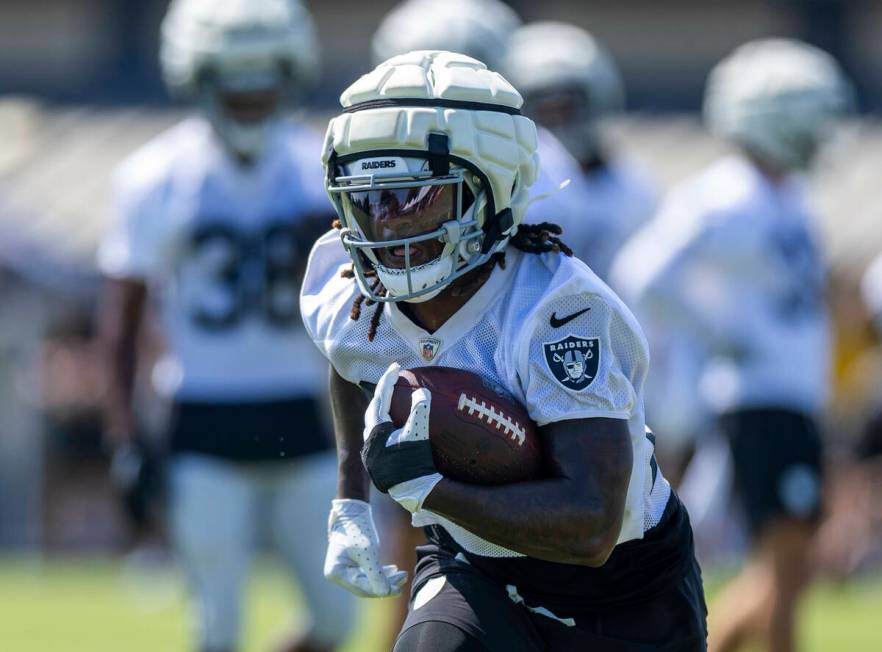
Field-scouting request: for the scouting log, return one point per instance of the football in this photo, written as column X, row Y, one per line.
column 479, row 433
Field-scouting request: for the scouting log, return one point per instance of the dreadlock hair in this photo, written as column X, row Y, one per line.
column 530, row 238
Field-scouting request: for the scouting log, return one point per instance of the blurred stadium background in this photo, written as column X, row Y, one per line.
column 80, row 88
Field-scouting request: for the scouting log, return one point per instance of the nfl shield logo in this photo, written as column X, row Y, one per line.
column 429, row 348
column 573, row 360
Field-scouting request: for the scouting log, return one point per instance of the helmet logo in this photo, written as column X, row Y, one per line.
column 573, row 361
column 385, row 163
column 373, row 165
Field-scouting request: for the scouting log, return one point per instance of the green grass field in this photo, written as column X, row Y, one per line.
column 96, row 605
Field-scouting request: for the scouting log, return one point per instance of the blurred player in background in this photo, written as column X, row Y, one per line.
column 850, row 540
column 214, row 218
column 733, row 265
column 570, row 84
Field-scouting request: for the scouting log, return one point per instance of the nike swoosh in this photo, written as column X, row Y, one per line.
column 557, row 323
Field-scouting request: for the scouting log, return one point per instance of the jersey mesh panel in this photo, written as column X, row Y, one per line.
column 611, row 390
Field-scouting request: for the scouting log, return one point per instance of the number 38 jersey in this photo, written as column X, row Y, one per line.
column 219, row 244
column 544, row 327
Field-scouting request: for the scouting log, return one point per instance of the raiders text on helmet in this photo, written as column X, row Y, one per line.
column 441, row 119
column 209, row 47
column 777, row 98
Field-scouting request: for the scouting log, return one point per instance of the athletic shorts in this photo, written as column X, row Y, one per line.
column 494, row 617
column 253, row 431
column 777, row 457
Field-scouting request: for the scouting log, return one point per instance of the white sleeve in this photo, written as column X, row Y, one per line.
column 592, row 365
column 325, row 297
column 675, row 270
column 133, row 246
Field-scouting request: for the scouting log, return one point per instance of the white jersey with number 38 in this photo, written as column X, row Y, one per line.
column 218, row 242
column 544, row 327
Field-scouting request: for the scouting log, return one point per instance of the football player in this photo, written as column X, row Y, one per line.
column 570, row 84
column 482, row 29
column 214, row 221
column 479, row 29
column 429, row 167
column 733, row 264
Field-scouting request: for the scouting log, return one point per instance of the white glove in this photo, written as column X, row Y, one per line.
column 399, row 460
column 352, row 560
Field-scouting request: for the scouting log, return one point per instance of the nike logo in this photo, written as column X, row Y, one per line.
column 557, row 323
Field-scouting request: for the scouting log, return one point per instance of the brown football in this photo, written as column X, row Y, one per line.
column 480, row 434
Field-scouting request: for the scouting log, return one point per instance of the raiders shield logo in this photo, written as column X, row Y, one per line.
column 429, row 348
column 573, row 360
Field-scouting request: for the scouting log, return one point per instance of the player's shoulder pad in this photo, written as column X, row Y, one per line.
column 564, row 289
column 147, row 172
column 723, row 196
column 579, row 338
column 326, row 296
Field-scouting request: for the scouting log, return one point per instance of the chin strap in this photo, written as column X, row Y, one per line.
column 495, row 228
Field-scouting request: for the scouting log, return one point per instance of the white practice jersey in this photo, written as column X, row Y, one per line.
column 871, row 289
column 545, row 328
column 732, row 265
column 218, row 243
column 599, row 210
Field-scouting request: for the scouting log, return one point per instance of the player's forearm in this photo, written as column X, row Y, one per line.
column 573, row 517
column 121, row 367
column 557, row 520
column 120, row 319
column 348, row 404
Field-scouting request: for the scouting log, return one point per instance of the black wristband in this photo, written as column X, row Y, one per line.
column 392, row 465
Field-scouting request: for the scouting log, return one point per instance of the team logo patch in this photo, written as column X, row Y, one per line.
column 573, row 360
column 429, row 347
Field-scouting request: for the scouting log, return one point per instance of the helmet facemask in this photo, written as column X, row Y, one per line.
column 567, row 111
column 259, row 52
column 412, row 228
column 245, row 105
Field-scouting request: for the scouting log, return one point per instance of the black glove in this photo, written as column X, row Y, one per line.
column 389, row 465
column 399, row 460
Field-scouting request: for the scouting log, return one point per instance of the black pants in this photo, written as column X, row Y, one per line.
column 777, row 457
column 254, row 431
column 455, row 608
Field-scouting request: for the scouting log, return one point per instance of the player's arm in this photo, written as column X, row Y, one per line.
column 574, row 517
column 353, row 558
column 120, row 316
column 348, row 403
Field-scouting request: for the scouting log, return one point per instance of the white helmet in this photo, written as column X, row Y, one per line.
column 209, row 47
column 434, row 140
column 777, row 98
column 477, row 28
column 553, row 59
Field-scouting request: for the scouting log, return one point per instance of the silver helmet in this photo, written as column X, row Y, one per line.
column 217, row 51
column 777, row 98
